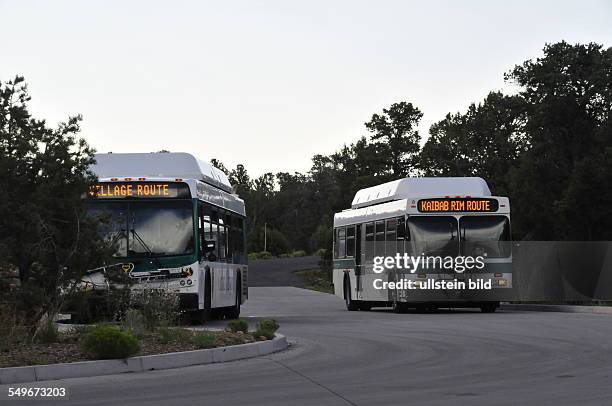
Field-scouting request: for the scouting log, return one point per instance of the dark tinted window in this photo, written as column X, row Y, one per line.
column 402, row 235
column 391, row 237
column 341, row 242
column 369, row 241
column 379, row 247
column 350, row 241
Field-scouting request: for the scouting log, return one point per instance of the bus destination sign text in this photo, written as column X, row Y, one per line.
column 457, row 204
column 139, row 190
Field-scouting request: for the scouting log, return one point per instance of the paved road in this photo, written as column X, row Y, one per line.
column 382, row 358
column 280, row 271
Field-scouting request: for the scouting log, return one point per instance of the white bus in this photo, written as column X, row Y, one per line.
column 176, row 225
column 423, row 217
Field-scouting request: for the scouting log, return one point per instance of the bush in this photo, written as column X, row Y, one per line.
column 264, row 255
column 203, row 340
column 253, row 256
column 12, row 329
column 322, row 253
column 266, row 328
column 109, row 342
column 238, row 325
column 298, row 253
column 177, row 335
column 47, row 332
column 158, row 307
column 134, row 322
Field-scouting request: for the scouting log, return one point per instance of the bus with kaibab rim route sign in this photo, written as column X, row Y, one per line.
column 445, row 220
column 176, row 225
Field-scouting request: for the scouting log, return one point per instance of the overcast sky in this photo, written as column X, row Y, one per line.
column 270, row 83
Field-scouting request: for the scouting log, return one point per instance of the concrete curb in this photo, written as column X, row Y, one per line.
column 557, row 308
column 141, row 364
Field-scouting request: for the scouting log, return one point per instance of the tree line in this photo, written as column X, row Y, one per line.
column 548, row 147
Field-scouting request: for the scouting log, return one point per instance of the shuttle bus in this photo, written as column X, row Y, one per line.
column 176, row 225
column 427, row 218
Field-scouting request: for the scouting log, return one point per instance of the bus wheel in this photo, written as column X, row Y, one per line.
column 421, row 308
column 488, row 308
column 366, row 307
column 201, row 316
column 351, row 305
column 234, row 311
column 400, row 307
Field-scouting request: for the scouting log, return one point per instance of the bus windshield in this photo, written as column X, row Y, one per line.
column 146, row 228
column 485, row 236
column 433, row 235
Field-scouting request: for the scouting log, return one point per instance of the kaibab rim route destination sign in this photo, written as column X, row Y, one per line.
column 457, row 204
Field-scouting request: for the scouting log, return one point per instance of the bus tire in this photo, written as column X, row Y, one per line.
column 351, row 305
column 400, row 307
column 365, row 306
column 201, row 316
column 234, row 311
column 488, row 308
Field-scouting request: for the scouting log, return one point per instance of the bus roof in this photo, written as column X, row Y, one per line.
column 411, row 188
column 159, row 164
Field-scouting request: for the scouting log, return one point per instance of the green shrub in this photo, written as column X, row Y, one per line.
column 253, row 256
column 13, row 331
column 204, row 340
column 238, row 325
column 321, row 252
column 284, row 256
column 264, row 255
column 109, row 342
column 266, row 328
column 158, row 307
column 80, row 330
column 178, row 335
column 47, row 332
column 298, row 253
column 134, row 322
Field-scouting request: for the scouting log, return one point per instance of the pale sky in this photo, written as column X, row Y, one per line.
column 270, row 83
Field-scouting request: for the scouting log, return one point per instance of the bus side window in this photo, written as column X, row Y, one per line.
column 391, row 237
column 241, row 240
column 402, row 235
column 213, row 235
column 336, row 243
column 222, row 240
column 379, row 249
column 230, row 237
column 369, row 241
column 342, row 242
column 350, row 241
column 201, row 236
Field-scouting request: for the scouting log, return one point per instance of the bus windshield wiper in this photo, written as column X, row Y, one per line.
column 144, row 244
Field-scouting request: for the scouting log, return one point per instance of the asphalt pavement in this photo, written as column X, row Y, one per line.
column 280, row 271
column 381, row 358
